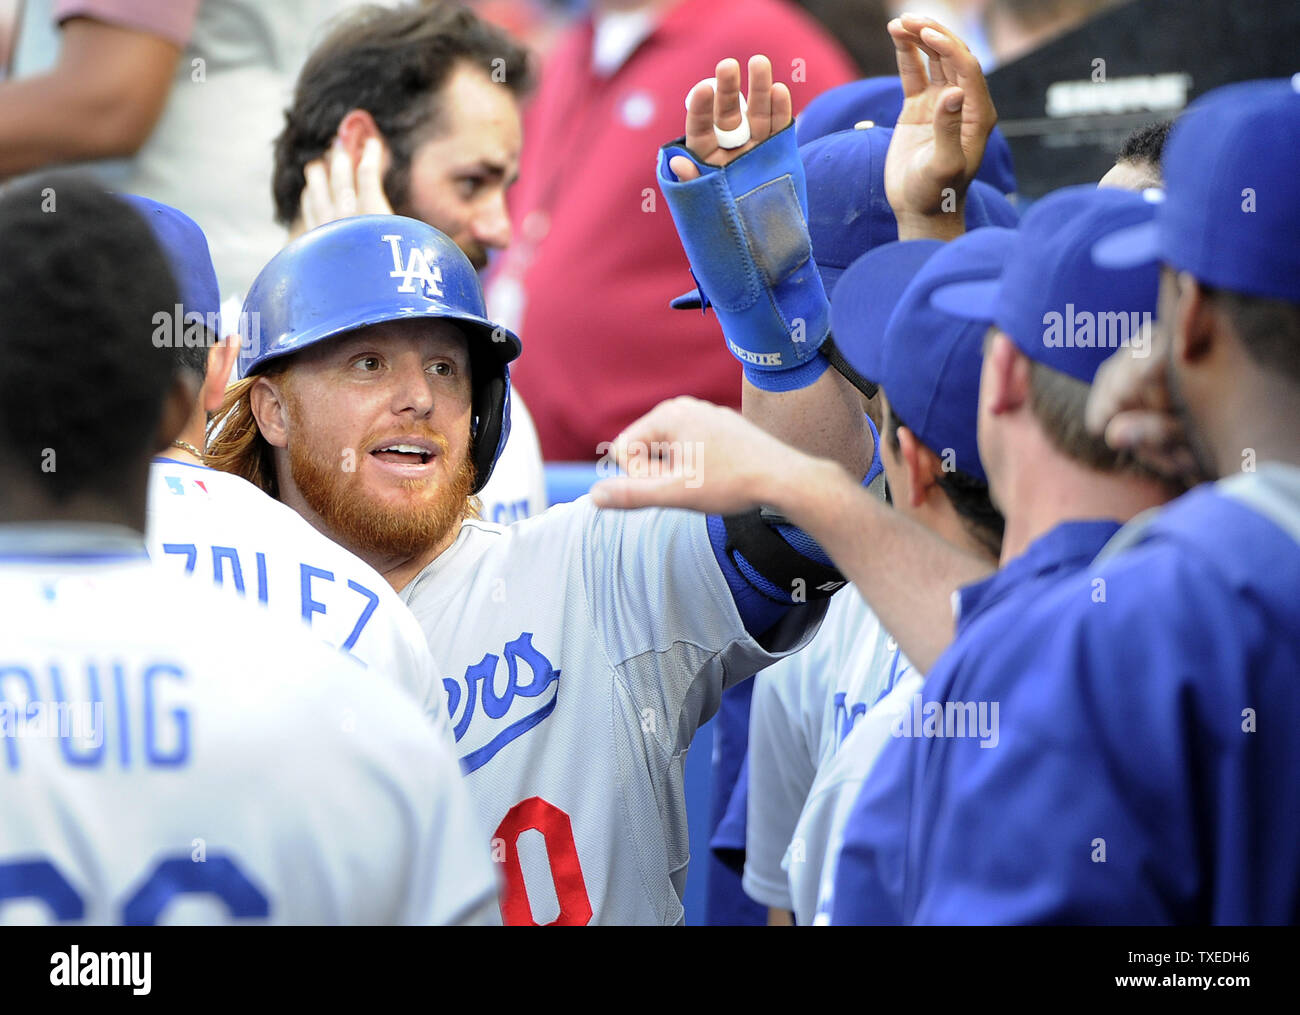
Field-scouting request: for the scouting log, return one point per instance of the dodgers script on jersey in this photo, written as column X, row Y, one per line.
column 219, row 527
column 149, row 775
column 803, row 709
column 584, row 648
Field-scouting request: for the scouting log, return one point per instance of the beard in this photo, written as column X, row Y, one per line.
column 374, row 528
column 1197, row 445
column 475, row 251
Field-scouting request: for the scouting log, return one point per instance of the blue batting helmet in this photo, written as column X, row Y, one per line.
column 368, row 269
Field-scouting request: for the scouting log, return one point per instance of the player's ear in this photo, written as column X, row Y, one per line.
column 178, row 406
column 266, row 399
column 1008, row 374
column 355, row 129
column 1195, row 321
column 221, row 361
column 921, row 466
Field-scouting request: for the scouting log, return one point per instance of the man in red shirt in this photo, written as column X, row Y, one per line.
column 595, row 259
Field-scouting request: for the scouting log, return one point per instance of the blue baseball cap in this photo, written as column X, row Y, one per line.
column 880, row 100
column 1231, row 214
column 866, row 296
column 927, row 360
column 1053, row 300
column 874, row 283
column 187, row 254
column 848, row 212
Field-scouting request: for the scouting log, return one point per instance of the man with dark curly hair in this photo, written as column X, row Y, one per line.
column 422, row 102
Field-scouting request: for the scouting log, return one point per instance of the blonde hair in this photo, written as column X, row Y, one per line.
column 234, row 443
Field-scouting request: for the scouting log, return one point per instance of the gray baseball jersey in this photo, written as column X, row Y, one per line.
column 584, row 649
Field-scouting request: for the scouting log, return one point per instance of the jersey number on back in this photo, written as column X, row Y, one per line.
column 173, row 876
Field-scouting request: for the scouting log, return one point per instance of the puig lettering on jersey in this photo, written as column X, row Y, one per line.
column 530, row 694
column 142, row 712
column 160, row 815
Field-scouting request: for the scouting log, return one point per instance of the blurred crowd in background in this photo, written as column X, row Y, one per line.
column 183, row 101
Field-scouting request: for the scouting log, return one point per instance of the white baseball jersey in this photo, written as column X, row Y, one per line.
column 802, row 709
column 221, row 528
column 174, row 756
column 815, row 845
column 586, row 647
column 517, row 487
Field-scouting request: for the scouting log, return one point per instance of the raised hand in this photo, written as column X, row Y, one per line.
column 940, row 135
column 770, row 111
column 334, row 191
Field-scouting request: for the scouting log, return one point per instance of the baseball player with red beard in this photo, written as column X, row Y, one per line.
column 375, row 401
column 223, row 530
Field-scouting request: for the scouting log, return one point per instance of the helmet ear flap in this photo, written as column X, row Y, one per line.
column 491, row 424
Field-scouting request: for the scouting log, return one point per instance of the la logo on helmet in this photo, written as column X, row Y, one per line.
column 419, row 264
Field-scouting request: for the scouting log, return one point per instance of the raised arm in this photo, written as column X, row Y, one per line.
column 742, row 215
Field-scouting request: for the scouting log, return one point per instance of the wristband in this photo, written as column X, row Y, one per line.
column 744, row 229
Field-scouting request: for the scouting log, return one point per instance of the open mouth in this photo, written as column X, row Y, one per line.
column 404, row 454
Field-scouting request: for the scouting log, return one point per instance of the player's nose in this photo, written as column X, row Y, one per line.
column 412, row 387
column 491, row 223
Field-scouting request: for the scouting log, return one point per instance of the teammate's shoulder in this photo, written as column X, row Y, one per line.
column 259, row 510
column 303, row 684
column 551, row 538
column 1153, row 608
column 1206, row 551
column 1248, row 526
column 186, row 483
